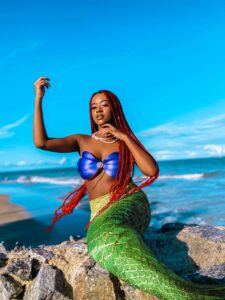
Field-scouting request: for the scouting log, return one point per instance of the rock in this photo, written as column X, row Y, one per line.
column 132, row 293
column 9, row 288
column 164, row 244
column 195, row 246
column 49, row 284
column 3, row 255
column 41, row 254
column 66, row 271
column 2, row 248
column 94, row 281
column 211, row 275
column 19, row 246
column 3, row 259
column 206, row 245
column 22, row 268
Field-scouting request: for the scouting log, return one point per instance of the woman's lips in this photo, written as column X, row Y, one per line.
column 100, row 117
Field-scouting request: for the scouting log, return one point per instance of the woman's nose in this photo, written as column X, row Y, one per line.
column 99, row 108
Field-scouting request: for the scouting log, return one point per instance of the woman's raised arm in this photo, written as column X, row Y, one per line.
column 41, row 140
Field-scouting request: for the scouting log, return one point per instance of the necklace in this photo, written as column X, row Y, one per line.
column 102, row 139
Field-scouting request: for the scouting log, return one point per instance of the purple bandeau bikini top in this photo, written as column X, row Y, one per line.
column 89, row 166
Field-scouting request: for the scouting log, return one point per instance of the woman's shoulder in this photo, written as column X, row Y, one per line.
column 85, row 138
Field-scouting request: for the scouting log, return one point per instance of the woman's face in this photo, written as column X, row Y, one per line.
column 100, row 109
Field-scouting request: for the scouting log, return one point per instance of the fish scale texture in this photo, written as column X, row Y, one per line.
column 115, row 241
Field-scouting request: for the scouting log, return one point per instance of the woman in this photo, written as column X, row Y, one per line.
column 120, row 211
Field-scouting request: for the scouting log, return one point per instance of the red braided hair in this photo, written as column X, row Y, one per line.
column 125, row 168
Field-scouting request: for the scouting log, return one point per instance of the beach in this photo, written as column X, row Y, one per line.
column 10, row 212
column 19, row 225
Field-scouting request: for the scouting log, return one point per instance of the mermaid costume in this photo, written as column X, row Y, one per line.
column 115, row 241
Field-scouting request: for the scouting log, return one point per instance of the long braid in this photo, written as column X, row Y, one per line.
column 126, row 162
column 72, row 200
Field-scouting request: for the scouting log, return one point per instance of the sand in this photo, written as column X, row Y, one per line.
column 10, row 212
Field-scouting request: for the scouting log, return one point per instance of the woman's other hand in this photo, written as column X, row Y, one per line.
column 108, row 130
column 40, row 84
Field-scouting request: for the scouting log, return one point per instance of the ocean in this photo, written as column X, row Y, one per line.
column 190, row 191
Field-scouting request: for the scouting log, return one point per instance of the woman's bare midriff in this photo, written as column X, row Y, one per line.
column 100, row 185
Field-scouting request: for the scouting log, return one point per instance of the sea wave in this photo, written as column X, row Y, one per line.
column 41, row 179
column 191, row 176
column 77, row 180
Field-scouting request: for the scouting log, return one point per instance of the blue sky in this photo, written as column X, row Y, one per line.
column 164, row 60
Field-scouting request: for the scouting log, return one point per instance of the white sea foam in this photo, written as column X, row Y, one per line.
column 49, row 180
column 184, row 176
column 191, row 176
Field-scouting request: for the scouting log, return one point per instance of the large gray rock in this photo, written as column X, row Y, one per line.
column 9, row 288
column 3, row 255
column 22, row 268
column 190, row 249
column 49, row 284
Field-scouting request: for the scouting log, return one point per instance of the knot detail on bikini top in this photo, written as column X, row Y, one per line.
column 89, row 165
column 100, row 164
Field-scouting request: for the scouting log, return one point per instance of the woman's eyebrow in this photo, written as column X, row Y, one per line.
column 100, row 101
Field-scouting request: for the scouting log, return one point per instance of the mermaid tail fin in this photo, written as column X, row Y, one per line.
column 115, row 241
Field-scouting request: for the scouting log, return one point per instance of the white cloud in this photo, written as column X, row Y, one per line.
column 5, row 131
column 187, row 138
column 215, row 149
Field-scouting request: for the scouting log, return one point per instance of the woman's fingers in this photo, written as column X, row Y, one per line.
column 47, row 84
column 105, row 132
column 39, row 85
column 102, row 132
column 43, row 78
column 107, row 125
column 43, row 83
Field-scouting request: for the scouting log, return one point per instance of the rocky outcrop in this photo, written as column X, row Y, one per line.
column 66, row 271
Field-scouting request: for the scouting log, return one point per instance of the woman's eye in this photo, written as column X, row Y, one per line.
column 102, row 105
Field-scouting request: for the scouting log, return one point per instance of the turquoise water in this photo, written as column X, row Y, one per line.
column 187, row 191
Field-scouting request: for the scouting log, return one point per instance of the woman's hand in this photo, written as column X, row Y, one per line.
column 108, row 130
column 39, row 85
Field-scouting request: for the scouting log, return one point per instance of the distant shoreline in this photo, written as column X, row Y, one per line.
column 10, row 212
